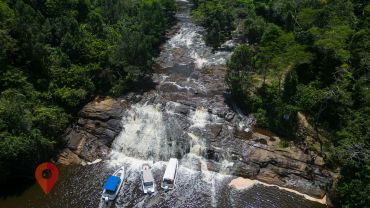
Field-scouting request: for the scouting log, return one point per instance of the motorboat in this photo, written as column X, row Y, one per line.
column 148, row 182
column 170, row 175
column 113, row 185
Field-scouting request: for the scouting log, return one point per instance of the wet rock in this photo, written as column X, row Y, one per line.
column 304, row 185
column 262, row 159
column 137, row 98
column 218, row 111
column 73, row 139
column 212, row 154
column 269, row 176
column 183, row 109
column 105, row 135
column 247, row 170
column 229, row 116
column 288, row 168
column 114, row 125
column 215, row 130
column 258, row 136
column 262, row 141
column 93, row 150
column 67, row 157
column 242, row 134
column 94, row 131
column 102, row 109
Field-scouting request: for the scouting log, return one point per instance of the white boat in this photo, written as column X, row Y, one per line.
column 113, row 185
column 147, row 179
column 169, row 178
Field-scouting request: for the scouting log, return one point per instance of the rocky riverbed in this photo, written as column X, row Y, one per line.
column 252, row 154
column 187, row 113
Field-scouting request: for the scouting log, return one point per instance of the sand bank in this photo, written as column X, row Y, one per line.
column 244, row 183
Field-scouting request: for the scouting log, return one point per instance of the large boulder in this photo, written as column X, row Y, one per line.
column 98, row 124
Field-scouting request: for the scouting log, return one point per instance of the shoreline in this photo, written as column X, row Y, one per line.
column 245, row 183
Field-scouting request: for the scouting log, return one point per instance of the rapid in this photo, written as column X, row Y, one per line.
column 179, row 117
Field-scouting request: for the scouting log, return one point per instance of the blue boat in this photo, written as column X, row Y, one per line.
column 113, row 185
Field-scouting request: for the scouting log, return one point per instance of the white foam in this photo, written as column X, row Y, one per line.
column 143, row 133
column 177, row 85
column 200, row 118
column 184, row 38
column 199, row 61
column 196, row 145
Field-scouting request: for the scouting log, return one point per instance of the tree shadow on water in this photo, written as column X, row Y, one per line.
column 15, row 187
column 143, row 85
column 233, row 103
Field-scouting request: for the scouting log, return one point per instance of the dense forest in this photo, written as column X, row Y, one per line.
column 303, row 58
column 56, row 55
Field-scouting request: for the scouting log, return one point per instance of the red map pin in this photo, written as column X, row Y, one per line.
column 46, row 175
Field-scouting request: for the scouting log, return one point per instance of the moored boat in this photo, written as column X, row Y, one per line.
column 147, row 179
column 170, row 175
column 113, row 185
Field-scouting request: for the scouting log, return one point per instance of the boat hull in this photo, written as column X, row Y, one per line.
column 110, row 196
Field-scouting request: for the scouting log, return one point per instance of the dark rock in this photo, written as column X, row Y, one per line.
column 98, row 125
column 262, row 141
column 137, row 98
column 247, row 170
column 81, row 122
column 183, row 109
column 73, row 139
column 241, row 134
column 215, row 130
column 212, row 154
column 114, row 125
column 105, row 135
column 229, row 116
column 303, row 185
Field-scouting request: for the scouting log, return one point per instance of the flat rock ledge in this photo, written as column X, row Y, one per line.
column 89, row 139
column 261, row 158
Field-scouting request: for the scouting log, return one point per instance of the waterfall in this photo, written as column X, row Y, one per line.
column 143, row 133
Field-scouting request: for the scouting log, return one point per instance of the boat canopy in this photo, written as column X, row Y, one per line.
column 147, row 176
column 171, row 169
column 112, row 183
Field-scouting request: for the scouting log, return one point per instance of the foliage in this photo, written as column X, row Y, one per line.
column 56, row 55
column 310, row 56
column 283, row 144
column 218, row 17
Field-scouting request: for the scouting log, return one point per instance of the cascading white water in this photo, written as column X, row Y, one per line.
column 200, row 118
column 152, row 133
column 143, row 133
column 144, row 139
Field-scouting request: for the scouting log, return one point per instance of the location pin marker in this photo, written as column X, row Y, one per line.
column 46, row 175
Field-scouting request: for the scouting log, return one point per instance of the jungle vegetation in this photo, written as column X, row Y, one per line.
column 303, row 58
column 56, row 56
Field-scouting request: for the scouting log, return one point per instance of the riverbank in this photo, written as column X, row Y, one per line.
column 244, row 183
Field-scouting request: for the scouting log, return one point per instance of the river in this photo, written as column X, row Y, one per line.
column 174, row 119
